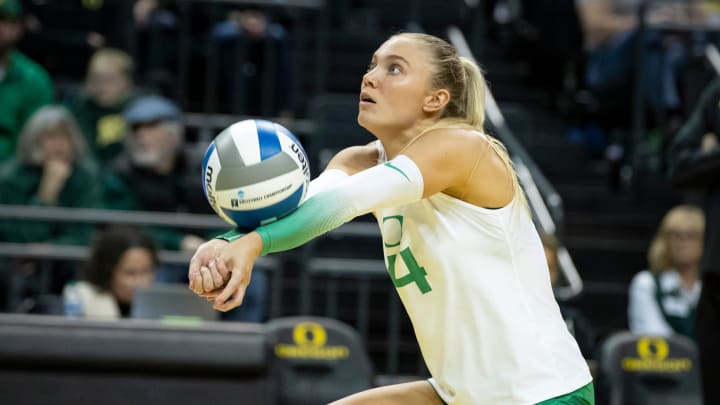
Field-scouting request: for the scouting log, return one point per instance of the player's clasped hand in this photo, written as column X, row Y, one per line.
column 199, row 274
column 220, row 271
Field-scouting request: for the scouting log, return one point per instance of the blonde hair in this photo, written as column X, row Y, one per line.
column 44, row 119
column 114, row 57
column 467, row 86
column 658, row 257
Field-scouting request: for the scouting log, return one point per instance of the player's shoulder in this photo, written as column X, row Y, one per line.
column 355, row 158
column 454, row 137
column 456, row 142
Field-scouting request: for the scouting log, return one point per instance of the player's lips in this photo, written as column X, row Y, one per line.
column 365, row 98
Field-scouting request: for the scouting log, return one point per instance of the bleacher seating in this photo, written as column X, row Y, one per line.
column 336, row 127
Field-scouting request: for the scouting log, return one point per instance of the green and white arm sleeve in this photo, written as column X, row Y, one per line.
column 326, row 180
column 394, row 183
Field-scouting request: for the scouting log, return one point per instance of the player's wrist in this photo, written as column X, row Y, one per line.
column 254, row 244
column 231, row 235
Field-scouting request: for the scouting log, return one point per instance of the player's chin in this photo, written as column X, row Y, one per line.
column 365, row 120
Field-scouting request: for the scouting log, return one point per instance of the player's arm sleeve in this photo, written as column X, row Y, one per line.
column 325, row 181
column 397, row 182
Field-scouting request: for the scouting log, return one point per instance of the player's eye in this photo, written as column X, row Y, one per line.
column 394, row 68
column 370, row 67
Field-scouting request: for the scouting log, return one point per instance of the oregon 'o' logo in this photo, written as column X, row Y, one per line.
column 653, row 348
column 309, row 334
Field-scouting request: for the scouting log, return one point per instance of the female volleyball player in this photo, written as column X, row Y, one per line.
column 459, row 241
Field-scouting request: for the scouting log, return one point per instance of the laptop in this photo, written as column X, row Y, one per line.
column 171, row 301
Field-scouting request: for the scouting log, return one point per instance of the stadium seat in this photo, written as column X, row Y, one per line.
column 316, row 360
column 640, row 370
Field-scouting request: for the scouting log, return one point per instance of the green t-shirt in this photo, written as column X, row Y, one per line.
column 24, row 87
column 103, row 127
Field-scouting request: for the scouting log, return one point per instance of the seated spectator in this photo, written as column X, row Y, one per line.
column 156, row 51
column 50, row 169
column 63, row 34
column 121, row 260
column 611, row 34
column 579, row 326
column 98, row 109
column 663, row 299
column 156, row 172
column 242, row 43
column 698, row 137
column 24, row 85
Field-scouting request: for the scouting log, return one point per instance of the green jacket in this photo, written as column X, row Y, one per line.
column 103, row 127
column 24, row 88
column 19, row 184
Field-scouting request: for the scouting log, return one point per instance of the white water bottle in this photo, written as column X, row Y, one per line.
column 72, row 301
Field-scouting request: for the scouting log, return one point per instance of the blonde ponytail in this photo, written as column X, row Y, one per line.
column 474, row 93
column 466, row 108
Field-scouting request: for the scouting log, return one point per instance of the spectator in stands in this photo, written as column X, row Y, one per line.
column 157, row 172
column 695, row 162
column 156, row 33
column 577, row 323
column 98, row 109
column 50, row 169
column 63, row 34
column 122, row 260
column 24, row 85
column 663, row 299
column 610, row 28
column 242, row 43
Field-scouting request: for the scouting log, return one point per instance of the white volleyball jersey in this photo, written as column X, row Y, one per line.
column 476, row 286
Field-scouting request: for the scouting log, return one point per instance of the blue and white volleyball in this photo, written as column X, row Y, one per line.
column 255, row 172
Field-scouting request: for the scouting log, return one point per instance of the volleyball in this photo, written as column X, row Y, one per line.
column 254, row 172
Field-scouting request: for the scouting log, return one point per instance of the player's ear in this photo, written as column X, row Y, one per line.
column 436, row 100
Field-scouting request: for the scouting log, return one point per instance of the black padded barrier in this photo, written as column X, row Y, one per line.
column 57, row 360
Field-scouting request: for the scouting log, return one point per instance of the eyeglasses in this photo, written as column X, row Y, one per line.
column 683, row 235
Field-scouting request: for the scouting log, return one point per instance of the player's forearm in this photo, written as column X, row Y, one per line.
column 318, row 215
column 325, row 181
